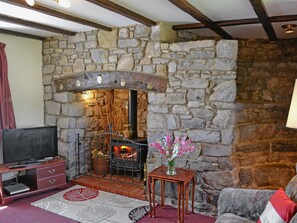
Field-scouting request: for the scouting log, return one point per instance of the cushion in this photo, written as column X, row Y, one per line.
column 279, row 209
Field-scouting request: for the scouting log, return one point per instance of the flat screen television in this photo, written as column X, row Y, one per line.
column 25, row 145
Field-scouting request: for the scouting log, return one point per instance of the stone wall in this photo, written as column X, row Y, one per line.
column 199, row 101
column 265, row 150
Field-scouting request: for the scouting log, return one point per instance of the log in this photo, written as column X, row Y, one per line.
column 111, row 80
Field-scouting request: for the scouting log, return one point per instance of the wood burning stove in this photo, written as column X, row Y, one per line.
column 128, row 156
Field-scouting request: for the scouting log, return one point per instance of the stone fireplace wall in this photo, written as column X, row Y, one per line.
column 199, row 101
column 235, row 113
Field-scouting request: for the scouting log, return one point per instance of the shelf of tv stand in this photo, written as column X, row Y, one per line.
column 38, row 177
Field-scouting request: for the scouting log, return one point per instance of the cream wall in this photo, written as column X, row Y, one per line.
column 24, row 58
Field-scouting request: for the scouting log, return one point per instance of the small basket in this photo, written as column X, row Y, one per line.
column 100, row 166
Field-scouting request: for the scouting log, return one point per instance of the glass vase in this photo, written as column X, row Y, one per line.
column 171, row 167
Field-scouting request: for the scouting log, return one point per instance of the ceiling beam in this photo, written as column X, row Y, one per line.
column 9, row 32
column 123, row 11
column 283, row 18
column 46, row 10
column 235, row 22
column 196, row 14
column 262, row 15
column 9, row 19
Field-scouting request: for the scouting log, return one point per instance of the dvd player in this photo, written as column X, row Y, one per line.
column 16, row 188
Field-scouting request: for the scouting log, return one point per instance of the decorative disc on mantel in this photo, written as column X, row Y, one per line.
column 149, row 86
column 123, row 82
column 99, row 79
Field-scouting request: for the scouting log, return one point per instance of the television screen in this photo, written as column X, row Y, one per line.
column 26, row 144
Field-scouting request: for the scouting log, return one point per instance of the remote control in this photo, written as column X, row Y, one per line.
column 16, row 166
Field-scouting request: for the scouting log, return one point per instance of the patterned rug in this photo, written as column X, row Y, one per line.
column 88, row 205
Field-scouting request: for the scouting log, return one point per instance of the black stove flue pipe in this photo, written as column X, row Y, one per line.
column 132, row 112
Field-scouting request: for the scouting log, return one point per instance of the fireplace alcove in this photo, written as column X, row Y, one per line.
column 126, row 155
column 123, row 159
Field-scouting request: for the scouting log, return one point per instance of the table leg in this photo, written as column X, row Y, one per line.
column 162, row 192
column 183, row 201
column 187, row 196
column 178, row 201
column 193, row 193
column 150, row 196
column 154, row 203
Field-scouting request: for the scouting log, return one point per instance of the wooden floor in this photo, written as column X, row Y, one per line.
column 121, row 187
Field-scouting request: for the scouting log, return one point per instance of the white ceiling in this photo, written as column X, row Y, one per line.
column 158, row 11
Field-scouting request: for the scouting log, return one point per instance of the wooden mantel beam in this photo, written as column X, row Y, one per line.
column 112, row 80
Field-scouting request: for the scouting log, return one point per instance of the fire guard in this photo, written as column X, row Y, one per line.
column 111, row 156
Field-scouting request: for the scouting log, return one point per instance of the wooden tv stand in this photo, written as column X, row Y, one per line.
column 39, row 178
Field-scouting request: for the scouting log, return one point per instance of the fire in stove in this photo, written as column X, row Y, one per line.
column 127, row 155
column 125, row 152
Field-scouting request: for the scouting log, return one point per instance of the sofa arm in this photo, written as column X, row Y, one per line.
column 247, row 203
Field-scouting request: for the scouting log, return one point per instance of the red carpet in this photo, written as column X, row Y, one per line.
column 21, row 211
column 169, row 215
